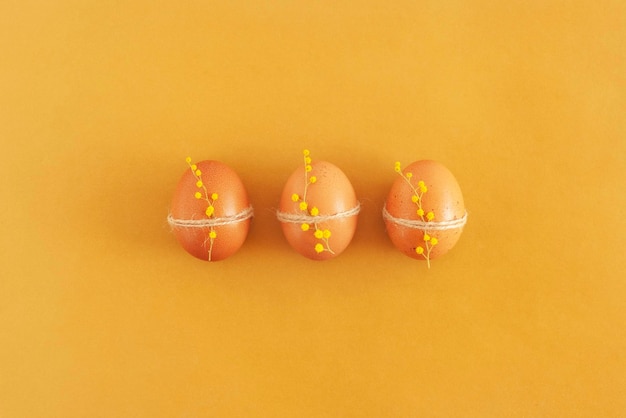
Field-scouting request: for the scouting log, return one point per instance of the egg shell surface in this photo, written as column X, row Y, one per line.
column 232, row 199
column 443, row 197
column 332, row 193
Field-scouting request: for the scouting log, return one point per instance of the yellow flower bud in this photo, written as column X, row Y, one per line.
column 319, row 248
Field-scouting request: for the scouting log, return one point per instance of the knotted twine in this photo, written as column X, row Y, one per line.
column 211, row 222
column 425, row 225
column 297, row 218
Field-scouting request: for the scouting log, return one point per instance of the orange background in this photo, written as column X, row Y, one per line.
column 103, row 314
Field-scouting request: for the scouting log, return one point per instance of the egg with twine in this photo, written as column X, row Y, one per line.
column 424, row 212
column 210, row 213
column 318, row 209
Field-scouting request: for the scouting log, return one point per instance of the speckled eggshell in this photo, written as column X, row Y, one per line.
column 443, row 198
column 232, row 199
column 332, row 193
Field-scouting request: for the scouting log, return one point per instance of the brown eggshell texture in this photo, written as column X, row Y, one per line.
column 331, row 194
column 232, row 199
column 443, row 197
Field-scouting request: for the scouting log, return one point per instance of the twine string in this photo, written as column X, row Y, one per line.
column 211, row 222
column 426, row 225
column 296, row 218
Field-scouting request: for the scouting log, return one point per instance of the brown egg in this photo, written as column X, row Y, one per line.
column 318, row 210
column 210, row 213
column 424, row 211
